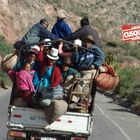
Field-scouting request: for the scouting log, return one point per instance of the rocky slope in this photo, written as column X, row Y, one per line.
column 17, row 16
column 106, row 16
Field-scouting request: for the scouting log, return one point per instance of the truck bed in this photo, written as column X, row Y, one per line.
column 34, row 119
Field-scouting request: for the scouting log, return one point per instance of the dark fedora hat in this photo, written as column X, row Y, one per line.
column 67, row 61
column 89, row 38
column 44, row 20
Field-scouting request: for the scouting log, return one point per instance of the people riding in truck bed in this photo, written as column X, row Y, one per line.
column 86, row 57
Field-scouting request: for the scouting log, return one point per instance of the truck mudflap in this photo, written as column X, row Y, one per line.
column 35, row 120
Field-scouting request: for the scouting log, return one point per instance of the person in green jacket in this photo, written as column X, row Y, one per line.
column 68, row 71
column 68, row 75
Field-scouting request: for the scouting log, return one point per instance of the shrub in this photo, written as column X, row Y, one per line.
column 4, row 47
column 4, row 77
column 135, row 52
column 128, row 82
column 54, row 1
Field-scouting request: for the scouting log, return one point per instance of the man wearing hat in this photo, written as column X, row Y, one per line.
column 38, row 32
column 61, row 28
column 86, row 60
column 83, row 59
column 84, row 31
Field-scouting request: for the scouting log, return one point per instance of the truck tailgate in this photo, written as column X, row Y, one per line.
column 35, row 119
column 26, row 117
column 73, row 122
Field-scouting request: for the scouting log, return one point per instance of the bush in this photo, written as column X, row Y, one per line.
column 128, row 79
column 127, row 84
column 4, row 77
column 135, row 52
column 4, row 47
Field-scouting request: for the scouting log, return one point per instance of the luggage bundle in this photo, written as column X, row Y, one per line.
column 9, row 61
column 107, row 80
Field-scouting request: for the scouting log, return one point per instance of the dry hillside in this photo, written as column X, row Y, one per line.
column 106, row 16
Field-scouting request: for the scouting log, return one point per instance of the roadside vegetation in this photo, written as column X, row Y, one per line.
column 127, row 93
column 5, row 49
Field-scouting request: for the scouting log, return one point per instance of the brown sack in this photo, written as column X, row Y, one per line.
column 107, row 80
column 9, row 61
column 55, row 110
column 60, row 108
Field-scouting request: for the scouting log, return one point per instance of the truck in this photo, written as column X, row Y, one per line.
column 25, row 123
column 28, row 123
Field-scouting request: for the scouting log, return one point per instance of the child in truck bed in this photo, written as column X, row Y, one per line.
column 24, row 82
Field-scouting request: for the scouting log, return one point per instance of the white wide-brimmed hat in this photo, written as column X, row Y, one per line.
column 78, row 42
column 35, row 49
column 61, row 14
column 47, row 42
column 53, row 54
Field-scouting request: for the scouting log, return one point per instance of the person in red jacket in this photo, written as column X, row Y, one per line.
column 50, row 77
column 49, row 71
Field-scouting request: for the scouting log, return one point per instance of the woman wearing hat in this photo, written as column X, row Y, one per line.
column 49, row 71
column 30, row 57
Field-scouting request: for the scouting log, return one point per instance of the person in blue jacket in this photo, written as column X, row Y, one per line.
column 61, row 28
column 86, row 60
column 38, row 32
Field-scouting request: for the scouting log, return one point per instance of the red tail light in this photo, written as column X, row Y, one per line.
column 58, row 120
column 17, row 116
column 17, row 134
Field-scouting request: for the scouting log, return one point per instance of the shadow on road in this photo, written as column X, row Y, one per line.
column 120, row 110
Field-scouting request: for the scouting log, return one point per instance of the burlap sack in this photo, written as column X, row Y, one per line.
column 55, row 110
column 107, row 80
column 8, row 62
column 19, row 102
